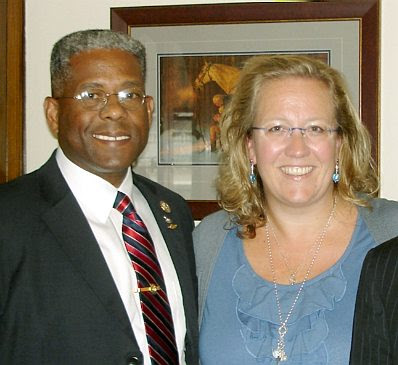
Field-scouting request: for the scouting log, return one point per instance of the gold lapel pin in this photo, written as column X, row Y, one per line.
column 170, row 224
column 165, row 206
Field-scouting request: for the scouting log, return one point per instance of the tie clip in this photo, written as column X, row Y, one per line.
column 152, row 289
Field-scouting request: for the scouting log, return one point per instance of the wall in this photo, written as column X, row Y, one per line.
column 48, row 20
column 389, row 99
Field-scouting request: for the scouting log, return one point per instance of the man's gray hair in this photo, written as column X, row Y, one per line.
column 87, row 40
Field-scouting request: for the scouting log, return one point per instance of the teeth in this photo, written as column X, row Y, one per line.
column 110, row 138
column 296, row 170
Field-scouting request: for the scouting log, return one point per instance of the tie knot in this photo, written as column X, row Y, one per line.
column 123, row 204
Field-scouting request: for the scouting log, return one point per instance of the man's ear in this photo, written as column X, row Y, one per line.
column 51, row 107
column 149, row 108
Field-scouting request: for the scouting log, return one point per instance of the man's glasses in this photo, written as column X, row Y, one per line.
column 313, row 133
column 95, row 99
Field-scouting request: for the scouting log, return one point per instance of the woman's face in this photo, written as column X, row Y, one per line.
column 295, row 167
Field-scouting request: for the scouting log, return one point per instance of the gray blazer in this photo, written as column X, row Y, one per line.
column 209, row 235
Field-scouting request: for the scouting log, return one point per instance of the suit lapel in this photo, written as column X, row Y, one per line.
column 73, row 234
column 176, row 242
column 174, row 237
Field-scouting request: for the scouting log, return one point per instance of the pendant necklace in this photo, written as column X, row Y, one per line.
column 292, row 273
column 279, row 352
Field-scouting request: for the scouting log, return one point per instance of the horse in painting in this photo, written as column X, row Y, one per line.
column 225, row 76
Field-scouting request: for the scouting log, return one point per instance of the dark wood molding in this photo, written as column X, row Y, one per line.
column 11, row 88
column 202, row 208
column 367, row 11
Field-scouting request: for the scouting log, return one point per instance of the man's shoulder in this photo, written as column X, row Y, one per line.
column 385, row 252
column 25, row 193
column 24, row 185
column 380, row 272
column 18, row 189
column 20, row 206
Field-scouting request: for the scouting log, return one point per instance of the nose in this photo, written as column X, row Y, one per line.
column 296, row 143
column 113, row 109
column 292, row 129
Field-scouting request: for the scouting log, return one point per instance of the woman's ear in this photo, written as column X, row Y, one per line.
column 51, row 108
column 250, row 149
column 339, row 142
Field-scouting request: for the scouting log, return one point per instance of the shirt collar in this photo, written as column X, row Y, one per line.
column 95, row 195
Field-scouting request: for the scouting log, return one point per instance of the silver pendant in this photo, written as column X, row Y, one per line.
column 279, row 354
column 292, row 279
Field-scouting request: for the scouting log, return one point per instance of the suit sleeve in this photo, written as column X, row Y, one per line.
column 374, row 336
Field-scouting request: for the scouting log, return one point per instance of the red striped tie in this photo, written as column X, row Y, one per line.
column 153, row 296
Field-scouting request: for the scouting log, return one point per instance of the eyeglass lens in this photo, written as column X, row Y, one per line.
column 97, row 99
column 313, row 133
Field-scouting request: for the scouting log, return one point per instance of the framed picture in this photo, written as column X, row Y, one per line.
column 185, row 42
column 193, row 92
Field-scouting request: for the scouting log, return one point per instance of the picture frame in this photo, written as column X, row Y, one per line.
column 193, row 90
column 364, row 13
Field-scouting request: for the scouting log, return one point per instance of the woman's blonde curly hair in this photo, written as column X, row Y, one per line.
column 246, row 202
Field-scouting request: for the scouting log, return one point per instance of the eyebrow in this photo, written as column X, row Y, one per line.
column 286, row 121
column 133, row 84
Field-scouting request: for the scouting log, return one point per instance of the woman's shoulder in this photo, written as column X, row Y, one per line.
column 381, row 219
column 384, row 205
column 380, row 209
column 213, row 225
column 210, row 233
column 214, row 219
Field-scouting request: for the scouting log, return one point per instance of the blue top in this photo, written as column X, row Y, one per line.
column 242, row 327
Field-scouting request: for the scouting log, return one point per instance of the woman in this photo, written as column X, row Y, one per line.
column 296, row 185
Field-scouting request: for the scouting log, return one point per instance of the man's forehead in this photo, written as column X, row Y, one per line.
column 104, row 61
column 103, row 54
column 104, row 67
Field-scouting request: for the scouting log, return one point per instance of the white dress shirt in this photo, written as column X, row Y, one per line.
column 96, row 198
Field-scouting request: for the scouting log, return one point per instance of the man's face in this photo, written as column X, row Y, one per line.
column 107, row 141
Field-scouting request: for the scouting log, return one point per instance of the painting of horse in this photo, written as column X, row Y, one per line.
column 224, row 75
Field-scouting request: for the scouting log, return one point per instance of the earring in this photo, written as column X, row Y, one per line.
column 252, row 175
column 336, row 174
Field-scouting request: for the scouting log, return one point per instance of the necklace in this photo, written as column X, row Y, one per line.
column 292, row 273
column 279, row 353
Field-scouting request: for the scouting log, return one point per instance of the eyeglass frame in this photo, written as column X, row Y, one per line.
column 302, row 130
column 105, row 99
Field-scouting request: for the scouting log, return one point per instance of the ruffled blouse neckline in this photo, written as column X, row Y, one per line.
column 257, row 313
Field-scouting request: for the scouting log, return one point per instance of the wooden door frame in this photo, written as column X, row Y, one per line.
column 12, row 86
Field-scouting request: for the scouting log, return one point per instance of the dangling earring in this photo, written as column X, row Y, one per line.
column 252, row 175
column 336, row 174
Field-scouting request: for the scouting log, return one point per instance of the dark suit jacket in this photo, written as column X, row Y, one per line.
column 58, row 301
column 375, row 334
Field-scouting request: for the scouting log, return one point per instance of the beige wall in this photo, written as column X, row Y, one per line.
column 48, row 20
column 389, row 99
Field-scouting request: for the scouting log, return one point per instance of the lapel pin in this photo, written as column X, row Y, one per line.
column 165, row 206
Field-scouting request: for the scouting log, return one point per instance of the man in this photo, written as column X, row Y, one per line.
column 72, row 288
column 375, row 333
